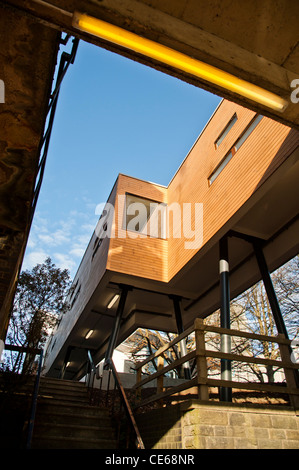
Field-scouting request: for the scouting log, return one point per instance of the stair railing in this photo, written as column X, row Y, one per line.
column 92, row 372
column 35, row 352
column 125, row 403
column 34, row 400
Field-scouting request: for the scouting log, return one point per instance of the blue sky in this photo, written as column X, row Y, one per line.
column 113, row 116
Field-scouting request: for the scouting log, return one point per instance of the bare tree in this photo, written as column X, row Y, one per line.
column 251, row 312
column 146, row 342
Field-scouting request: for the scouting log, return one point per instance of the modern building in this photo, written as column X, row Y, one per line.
column 257, row 43
column 154, row 258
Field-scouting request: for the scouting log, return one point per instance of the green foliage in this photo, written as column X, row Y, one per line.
column 40, row 298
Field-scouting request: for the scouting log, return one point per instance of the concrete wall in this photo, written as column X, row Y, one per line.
column 195, row 425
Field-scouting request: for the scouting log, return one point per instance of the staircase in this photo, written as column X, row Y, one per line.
column 65, row 420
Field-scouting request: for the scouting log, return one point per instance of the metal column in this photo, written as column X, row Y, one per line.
column 274, row 304
column 116, row 327
column 66, row 360
column 178, row 316
column 225, row 392
column 261, row 261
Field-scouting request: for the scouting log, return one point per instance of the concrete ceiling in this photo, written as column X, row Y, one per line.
column 257, row 41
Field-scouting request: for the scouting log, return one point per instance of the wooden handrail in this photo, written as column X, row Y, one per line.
column 165, row 369
column 280, row 339
column 248, row 359
column 201, row 354
column 165, row 347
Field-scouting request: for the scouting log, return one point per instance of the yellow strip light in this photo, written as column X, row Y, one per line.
column 168, row 56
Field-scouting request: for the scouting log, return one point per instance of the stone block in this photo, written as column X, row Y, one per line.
column 269, row 444
column 244, row 443
column 236, row 431
column 221, row 430
column 290, row 444
column 212, row 417
column 262, row 433
column 277, row 434
column 260, row 420
column 283, row 422
column 292, row 434
column 236, row 419
column 219, row 442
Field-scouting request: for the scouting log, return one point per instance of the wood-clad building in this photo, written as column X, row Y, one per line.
column 239, row 181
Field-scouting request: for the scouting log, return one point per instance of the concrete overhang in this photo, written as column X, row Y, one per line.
column 256, row 41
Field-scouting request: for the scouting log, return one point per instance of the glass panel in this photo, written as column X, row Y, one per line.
column 145, row 216
column 236, row 147
column 226, row 130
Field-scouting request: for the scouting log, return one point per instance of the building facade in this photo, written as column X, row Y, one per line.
column 153, row 259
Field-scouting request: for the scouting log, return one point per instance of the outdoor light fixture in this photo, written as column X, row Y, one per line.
column 169, row 56
column 67, row 364
column 89, row 334
column 113, row 300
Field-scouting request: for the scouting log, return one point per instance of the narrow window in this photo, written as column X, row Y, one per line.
column 226, row 130
column 101, row 231
column 76, row 296
column 235, row 147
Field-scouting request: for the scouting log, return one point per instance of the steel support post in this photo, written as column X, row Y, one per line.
column 271, row 294
column 116, row 327
column 225, row 392
column 178, row 316
column 66, row 360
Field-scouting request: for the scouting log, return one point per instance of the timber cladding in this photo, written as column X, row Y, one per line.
column 132, row 253
column 261, row 153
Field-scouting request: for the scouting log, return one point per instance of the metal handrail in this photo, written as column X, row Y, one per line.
column 126, row 403
column 92, row 368
column 40, row 352
column 109, row 365
column 34, row 401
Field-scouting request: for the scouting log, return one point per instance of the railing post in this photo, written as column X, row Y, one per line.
column 289, row 373
column 160, row 379
column 201, row 360
column 138, row 379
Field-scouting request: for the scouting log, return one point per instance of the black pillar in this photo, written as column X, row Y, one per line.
column 225, row 392
column 66, row 360
column 178, row 316
column 271, row 294
column 261, row 261
column 116, row 327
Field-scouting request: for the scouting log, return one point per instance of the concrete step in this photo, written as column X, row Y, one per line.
column 71, row 384
column 44, row 442
column 66, row 420
column 53, row 416
column 50, row 405
column 63, row 390
column 66, row 431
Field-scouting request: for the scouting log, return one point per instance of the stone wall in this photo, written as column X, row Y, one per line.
column 194, row 425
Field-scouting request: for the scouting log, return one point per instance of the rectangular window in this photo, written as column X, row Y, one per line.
column 235, row 147
column 226, row 130
column 145, row 216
